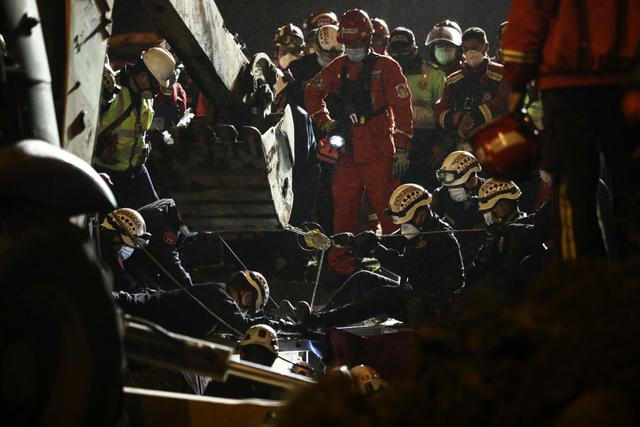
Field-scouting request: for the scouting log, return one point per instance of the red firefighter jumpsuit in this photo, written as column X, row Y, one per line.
column 368, row 163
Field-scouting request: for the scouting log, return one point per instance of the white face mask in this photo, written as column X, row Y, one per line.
column 458, row 194
column 473, row 58
column 356, row 54
column 488, row 218
column 409, row 230
column 286, row 59
column 445, row 55
column 125, row 252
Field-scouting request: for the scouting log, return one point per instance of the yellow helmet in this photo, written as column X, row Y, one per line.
column 405, row 200
column 493, row 190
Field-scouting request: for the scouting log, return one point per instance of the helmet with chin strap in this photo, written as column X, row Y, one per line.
column 256, row 282
column 405, row 200
column 130, row 225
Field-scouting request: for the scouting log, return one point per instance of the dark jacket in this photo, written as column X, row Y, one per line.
column 461, row 216
column 432, row 263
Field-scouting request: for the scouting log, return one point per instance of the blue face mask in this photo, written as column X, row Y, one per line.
column 356, row 54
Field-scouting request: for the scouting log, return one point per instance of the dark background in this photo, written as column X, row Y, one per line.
column 256, row 21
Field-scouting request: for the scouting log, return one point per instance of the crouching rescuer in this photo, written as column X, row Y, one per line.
column 429, row 265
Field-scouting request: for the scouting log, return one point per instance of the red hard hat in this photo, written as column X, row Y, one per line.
column 355, row 28
column 508, row 146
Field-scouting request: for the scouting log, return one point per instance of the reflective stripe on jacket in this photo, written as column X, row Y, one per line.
column 131, row 132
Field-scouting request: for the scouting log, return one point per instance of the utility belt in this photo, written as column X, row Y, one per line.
column 356, row 118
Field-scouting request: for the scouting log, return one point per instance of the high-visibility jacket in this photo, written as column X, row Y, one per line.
column 570, row 42
column 427, row 85
column 131, row 132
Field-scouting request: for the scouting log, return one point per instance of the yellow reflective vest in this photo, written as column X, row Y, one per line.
column 426, row 88
column 131, row 132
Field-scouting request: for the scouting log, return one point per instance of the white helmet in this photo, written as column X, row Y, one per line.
column 262, row 335
column 327, row 45
column 366, row 379
column 258, row 282
column 131, row 226
column 457, row 167
column 160, row 64
column 493, row 190
column 405, row 200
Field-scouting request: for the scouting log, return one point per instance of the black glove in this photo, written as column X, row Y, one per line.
column 366, row 241
column 344, row 240
column 497, row 229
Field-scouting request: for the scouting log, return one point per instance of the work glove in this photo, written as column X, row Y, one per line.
column 329, row 126
column 400, row 162
column 366, row 242
column 344, row 240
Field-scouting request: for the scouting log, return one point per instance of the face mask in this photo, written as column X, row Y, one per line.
column 473, row 58
column 286, row 59
column 488, row 218
column 409, row 231
column 445, row 55
column 356, row 54
column 125, row 252
column 458, row 194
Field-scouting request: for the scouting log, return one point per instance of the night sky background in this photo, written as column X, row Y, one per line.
column 256, row 21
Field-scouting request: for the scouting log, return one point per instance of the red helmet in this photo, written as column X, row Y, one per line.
column 355, row 28
column 508, row 146
column 380, row 38
column 316, row 20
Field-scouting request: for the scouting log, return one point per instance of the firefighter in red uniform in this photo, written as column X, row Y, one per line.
column 376, row 119
column 475, row 94
column 580, row 52
column 380, row 38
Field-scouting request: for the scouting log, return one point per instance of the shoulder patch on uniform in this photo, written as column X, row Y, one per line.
column 317, row 83
column 494, row 75
column 455, row 77
column 402, row 91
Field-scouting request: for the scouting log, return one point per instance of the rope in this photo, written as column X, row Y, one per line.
column 315, row 286
column 244, row 266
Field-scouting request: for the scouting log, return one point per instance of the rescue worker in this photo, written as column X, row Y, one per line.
column 121, row 149
column 455, row 201
column 474, row 95
column 511, row 239
column 371, row 88
column 366, row 380
column 312, row 23
column 288, row 43
column 167, row 234
column 260, row 346
column 580, row 57
column 430, row 268
column 426, row 83
column 444, row 43
column 380, row 38
column 240, row 303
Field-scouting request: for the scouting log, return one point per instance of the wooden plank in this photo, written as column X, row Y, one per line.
column 160, row 408
column 195, row 29
column 89, row 28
